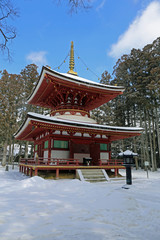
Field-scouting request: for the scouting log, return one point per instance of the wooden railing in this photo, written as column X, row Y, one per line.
column 69, row 162
column 49, row 161
column 110, row 162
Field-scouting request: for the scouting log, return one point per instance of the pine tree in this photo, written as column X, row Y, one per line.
column 10, row 99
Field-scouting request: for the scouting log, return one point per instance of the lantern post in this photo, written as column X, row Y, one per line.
column 128, row 162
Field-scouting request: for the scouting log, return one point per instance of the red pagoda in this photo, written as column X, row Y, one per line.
column 69, row 138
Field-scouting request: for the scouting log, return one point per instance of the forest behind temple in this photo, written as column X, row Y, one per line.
column 138, row 106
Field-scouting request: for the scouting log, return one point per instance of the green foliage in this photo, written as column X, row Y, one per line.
column 138, row 72
column 14, row 90
column 10, row 103
column 139, row 105
column 29, row 77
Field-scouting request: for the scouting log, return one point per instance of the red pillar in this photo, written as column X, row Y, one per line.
column 31, row 171
column 71, row 149
column 116, row 172
column 57, row 173
column 49, row 150
column 27, row 171
column 36, row 172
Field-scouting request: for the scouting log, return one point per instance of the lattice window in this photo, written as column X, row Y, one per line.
column 60, row 144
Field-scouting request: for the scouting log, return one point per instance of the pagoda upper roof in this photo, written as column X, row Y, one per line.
column 36, row 124
column 52, row 87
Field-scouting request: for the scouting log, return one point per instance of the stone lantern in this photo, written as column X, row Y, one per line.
column 128, row 162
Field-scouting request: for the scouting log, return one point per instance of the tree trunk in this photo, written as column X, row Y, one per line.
column 12, row 155
column 4, row 158
column 135, row 150
column 26, row 150
column 9, row 153
column 32, row 150
column 143, row 155
column 154, row 142
column 146, row 140
column 157, row 133
column 20, row 149
column 151, row 145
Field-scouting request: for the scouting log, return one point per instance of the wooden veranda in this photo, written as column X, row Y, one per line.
column 30, row 165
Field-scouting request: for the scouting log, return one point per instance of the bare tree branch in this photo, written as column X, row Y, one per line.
column 7, row 32
column 75, row 5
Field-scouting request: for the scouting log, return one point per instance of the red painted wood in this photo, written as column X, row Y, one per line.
column 68, row 161
column 31, row 172
column 116, row 172
column 49, row 148
column 53, row 90
column 40, row 128
column 27, row 171
column 95, row 152
column 57, row 173
column 36, row 172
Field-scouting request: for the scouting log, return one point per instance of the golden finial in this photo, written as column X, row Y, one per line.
column 71, row 62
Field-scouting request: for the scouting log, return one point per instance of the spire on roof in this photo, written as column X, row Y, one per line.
column 71, row 62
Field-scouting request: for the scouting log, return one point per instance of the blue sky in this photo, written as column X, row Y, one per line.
column 101, row 35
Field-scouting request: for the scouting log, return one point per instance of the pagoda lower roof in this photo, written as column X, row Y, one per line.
column 36, row 124
column 52, row 86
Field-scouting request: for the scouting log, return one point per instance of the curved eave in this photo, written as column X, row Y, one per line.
column 36, row 123
column 71, row 81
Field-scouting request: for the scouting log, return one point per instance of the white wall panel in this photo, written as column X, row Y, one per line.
column 45, row 155
column 59, row 154
column 104, row 155
column 80, row 156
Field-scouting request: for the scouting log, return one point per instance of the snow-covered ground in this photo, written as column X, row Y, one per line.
column 34, row 208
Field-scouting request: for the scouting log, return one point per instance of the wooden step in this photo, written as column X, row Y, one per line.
column 92, row 175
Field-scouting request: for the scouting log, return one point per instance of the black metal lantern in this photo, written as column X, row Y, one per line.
column 87, row 161
column 128, row 159
column 128, row 162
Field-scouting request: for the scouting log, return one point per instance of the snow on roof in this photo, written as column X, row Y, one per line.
column 92, row 125
column 84, row 80
column 72, row 78
column 44, row 119
column 127, row 153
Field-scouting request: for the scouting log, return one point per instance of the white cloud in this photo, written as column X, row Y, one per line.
column 144, row 29
column 101, row 5
column 39, row 58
